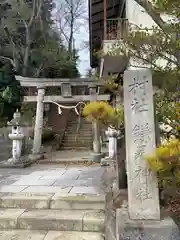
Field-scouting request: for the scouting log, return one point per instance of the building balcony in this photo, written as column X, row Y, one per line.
column 114, row 32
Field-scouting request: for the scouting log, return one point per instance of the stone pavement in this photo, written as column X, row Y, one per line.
column 53, row 179
column 52, row 202
column 64, row 156
column 74, row 156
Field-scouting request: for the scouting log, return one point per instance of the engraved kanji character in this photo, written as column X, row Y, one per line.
column 143, row 193
column 139, row 106
column 141, row 130
column 138, row 85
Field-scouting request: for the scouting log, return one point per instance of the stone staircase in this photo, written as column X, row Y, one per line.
column 46, row 216
column 78, row 139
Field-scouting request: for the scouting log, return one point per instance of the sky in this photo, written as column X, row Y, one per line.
column 84, row 64
column 81, row 37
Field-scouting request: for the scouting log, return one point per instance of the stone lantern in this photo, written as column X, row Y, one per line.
column 112, row 135
column 17, row 137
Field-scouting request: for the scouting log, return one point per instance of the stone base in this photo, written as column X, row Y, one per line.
column 115, row 189
column 24, row 161
column 19, row 164
column 96, row 157
column 35, row 157
column 127, row 229
column 107, row 161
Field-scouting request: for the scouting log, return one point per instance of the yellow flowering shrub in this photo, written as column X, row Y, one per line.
column 118, row 118
column 104, row 113
column 110, row 85
column 98, row 111
column 165, row 161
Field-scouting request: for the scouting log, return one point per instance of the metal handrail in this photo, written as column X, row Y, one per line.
column 115, row 28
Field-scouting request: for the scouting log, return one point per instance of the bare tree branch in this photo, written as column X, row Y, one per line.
column 36, row 10
column 69, row 15
column 148, row 6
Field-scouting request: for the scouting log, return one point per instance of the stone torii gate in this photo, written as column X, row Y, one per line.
column 66, row 96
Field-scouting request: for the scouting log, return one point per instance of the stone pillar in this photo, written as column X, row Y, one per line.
column 97, row 155
column 96, row 140
column 143, row 194
column 140, row 218
column 112, row 147
column 39, row 121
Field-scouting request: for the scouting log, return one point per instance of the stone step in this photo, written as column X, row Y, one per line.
column 79, row 138
column 82, row 136
column 50, row 235
column 53, row 219
column 54, row 201
column 83, row 122
column 74, row 129
column 83, row 128
column 72, row 147
column 79, row 142
column 73, row 133
column 74, row 136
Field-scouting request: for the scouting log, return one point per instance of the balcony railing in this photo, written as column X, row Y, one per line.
column 115, row 29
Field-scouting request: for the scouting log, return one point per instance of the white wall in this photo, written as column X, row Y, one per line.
column 137, row 15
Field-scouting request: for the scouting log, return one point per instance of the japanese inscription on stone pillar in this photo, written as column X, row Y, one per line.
column 143, row 197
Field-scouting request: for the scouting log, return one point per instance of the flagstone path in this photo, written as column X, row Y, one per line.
column 53, row 178
column 52, row 202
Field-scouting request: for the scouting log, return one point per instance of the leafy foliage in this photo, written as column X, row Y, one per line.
column 158, row 47
column 29, row 38
column 165, row 161
column 98, row 111
column 168, row 113
column 111, row 85
column 105, row 114
column 11, row 92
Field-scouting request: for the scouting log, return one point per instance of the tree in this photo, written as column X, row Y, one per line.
column 11, row 92
column 21, row 16
column 69, row 17
column 168, row 114
column 158, row 47
column 149, row 46
column 30, row 40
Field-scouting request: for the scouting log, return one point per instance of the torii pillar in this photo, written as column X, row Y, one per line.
column 39, row 120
